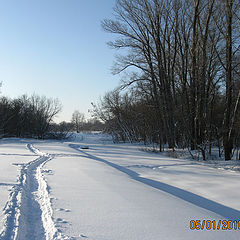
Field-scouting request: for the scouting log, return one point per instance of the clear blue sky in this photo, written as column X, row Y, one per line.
column 56, row 48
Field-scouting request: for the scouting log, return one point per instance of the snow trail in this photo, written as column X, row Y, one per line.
column 28, row 211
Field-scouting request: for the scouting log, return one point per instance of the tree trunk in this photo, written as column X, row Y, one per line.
column 228, row 134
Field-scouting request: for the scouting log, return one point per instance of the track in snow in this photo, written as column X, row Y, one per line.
column 28, row 212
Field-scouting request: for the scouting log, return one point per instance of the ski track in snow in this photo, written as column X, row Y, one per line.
column 28, row 213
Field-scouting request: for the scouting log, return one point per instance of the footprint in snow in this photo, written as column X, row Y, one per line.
column 83, row 236
column 18, row 164
column 48, row 171
column 53, row 198
column 60, row 220
column 63, row 210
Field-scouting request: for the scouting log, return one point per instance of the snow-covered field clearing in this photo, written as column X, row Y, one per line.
column 90, row 188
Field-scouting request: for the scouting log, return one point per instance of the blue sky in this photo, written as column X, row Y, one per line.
column 56, row 48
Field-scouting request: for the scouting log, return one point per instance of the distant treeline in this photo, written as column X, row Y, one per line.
column 84, row 126
column 32, row 116
column 182, row 85
column 27, row 116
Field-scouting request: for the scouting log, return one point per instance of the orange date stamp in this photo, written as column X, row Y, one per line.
column 214, row 225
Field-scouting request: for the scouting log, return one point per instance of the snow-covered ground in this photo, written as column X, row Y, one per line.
column 90, row 188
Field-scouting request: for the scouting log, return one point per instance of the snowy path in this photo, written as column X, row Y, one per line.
column 28, row 212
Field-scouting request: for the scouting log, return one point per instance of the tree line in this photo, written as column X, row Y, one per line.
column 78, row 124
column 27, row 116
column 33, row 116
column 180, row 74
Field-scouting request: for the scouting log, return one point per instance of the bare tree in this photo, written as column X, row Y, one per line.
column 177, row 51
column 227, row 21
column 77, row 120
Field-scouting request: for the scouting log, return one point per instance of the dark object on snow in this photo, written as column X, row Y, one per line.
column 85, row 147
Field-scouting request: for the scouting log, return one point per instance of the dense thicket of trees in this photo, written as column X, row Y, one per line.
column 183, row 64
column 27, row 116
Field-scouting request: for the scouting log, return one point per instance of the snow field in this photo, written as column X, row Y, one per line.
column 89, row 188
column 205, row 180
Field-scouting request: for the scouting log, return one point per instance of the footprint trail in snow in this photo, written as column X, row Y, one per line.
column 28, row 213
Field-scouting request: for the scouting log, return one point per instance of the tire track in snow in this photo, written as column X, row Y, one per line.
column 28, row 213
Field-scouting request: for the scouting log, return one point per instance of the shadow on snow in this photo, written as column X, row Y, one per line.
column 190, row 197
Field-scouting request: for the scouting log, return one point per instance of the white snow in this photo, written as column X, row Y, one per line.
column 13, row 154
column 90, row 188
column 28, row 213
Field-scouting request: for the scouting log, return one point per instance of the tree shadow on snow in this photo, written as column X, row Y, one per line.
column 190, row 197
